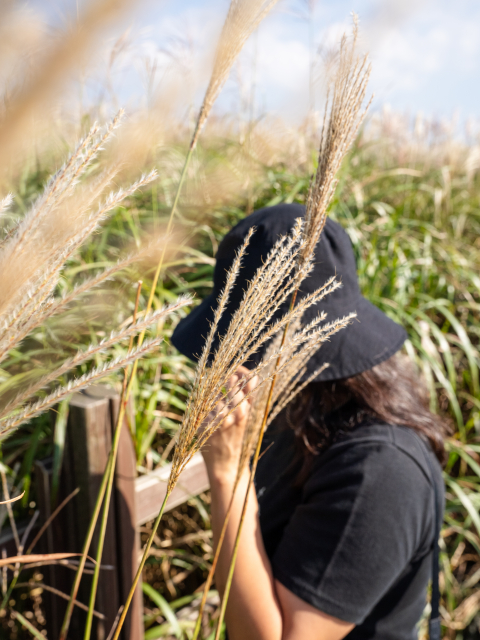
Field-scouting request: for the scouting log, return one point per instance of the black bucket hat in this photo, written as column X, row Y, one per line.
column 369, row 340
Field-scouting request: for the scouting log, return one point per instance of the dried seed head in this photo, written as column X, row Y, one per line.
column 242, row 19
column 31, row 260
column 342, row 119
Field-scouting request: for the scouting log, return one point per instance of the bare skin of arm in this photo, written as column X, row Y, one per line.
column 259, row 607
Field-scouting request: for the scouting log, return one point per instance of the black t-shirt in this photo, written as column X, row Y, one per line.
column 355, row 540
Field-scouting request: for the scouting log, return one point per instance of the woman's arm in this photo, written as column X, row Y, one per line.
column 259, row 607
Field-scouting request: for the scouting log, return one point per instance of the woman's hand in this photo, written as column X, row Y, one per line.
column 222, row 450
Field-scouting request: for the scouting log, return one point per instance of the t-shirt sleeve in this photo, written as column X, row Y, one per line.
column 363, row 518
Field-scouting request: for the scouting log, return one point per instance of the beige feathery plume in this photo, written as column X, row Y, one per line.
column 36, row 230
column 32, row 410
column 59, row 304
column 251, row 326
column 90, row 352
column 31, row 261
column 291, row 374
column 342, row 119
column 5, row 203
column 242, row 19
column 58, row 58
column 57, row 224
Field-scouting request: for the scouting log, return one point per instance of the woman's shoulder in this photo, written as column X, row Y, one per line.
column 381, row 453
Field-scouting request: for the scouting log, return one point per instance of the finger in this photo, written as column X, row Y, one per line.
column 249, row 382
column 247, row 378
column 251, row 385
column 235, row 391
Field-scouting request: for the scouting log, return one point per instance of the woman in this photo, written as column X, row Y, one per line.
column 340, row 528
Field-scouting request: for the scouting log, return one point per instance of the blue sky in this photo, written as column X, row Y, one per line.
column 425, row 53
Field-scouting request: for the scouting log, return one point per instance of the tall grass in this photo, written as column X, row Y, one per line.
column 418, row 260
column 409, row 202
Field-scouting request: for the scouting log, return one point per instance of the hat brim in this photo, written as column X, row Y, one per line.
column 191, row 332
column 371, row 338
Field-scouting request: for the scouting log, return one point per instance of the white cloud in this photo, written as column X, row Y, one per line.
column 425, row 53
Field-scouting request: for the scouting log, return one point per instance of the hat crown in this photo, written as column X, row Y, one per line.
column 333, row 254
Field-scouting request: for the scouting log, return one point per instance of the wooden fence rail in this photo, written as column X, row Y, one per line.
column 135, row 501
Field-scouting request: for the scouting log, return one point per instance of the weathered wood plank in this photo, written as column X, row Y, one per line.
column 127, row 536
column 151, row 488
column 90, row 435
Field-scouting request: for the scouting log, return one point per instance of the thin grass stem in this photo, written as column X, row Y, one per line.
column 28, row 625
column 211, row 573
column 108, row 495
column 140, row 569
column 169, row 228
column 35, row 540
column 160, row 264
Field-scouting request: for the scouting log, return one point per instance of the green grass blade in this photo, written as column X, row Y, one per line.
column 59, row 445
column 164, row 607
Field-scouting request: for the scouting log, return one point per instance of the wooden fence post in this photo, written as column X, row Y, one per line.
column 127, row 536
column 91, row 420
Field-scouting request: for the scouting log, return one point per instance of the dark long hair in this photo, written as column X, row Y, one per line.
column 390, row 393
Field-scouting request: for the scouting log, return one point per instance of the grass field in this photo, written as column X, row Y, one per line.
column 411, row 206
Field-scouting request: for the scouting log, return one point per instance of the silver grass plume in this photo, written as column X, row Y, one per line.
column 59, row 304
column 94, row 349
column 61, row 185
column 251, row 326
column 32, row 258
column 291, row 374
column 242, row 19
column 5, row 203
column 34, row 409
column 30, row 247
column 342, row 118
column 36, row 304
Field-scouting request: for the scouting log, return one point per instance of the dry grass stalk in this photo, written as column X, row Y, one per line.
column 36, row 302
column 342, row 119
column 35, row 585
column 286, row 365
column 51, row 70
column 38, row 221
column 34, row 409
column 31, row 261
column 59, row 304
column 88, row 354
column 242, row 19
column 251, row 326
column 5, row 203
